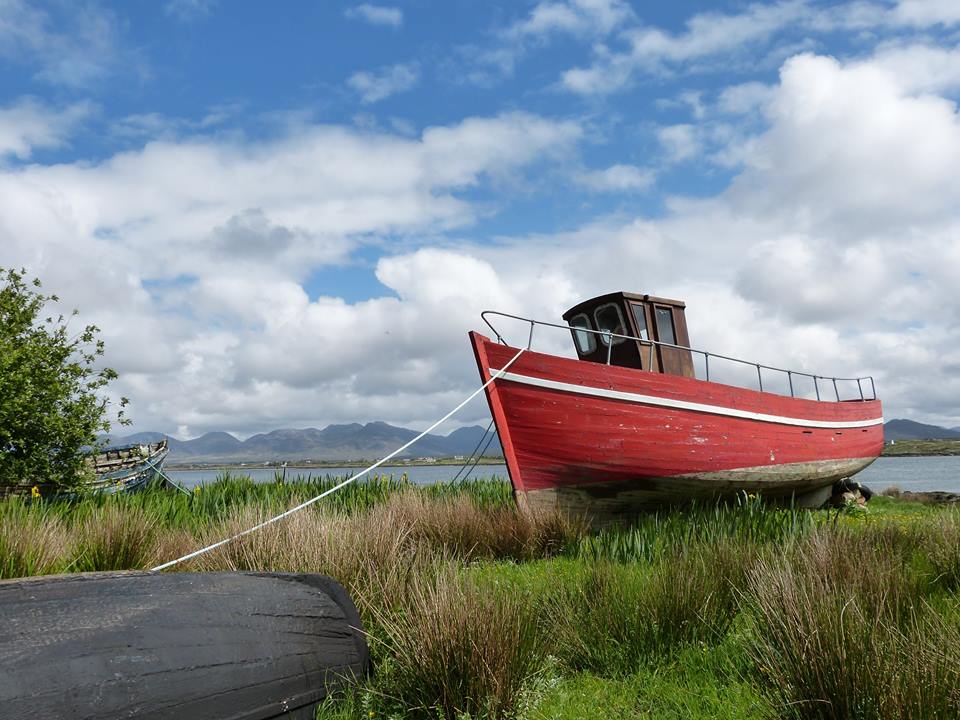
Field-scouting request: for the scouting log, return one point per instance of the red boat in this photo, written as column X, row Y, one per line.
column 629, row 425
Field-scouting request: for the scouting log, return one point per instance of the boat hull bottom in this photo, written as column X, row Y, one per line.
column 805, row 484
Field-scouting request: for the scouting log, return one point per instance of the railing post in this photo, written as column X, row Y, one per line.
column 835, row 389
column 706, row 360
column 530, row 338
column 760, row 378
column 873, row 388
column 816, row 386
column 790, row 380
column 609, row 345
column 860, row 388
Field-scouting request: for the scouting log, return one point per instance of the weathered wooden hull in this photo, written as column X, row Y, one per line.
column 175, row 645
column 611, row 440
column 128, row 469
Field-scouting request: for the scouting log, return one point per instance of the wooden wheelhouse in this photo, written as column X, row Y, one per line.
column 652, row 332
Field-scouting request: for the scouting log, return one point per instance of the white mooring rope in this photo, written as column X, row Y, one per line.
column 346, row 482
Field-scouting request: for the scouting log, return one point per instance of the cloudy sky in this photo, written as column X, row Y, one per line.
column 289, row 215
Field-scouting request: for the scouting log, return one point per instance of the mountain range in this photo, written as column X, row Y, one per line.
column 901, row 429
column 332, row 444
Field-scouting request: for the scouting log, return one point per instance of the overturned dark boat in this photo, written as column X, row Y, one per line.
column 244, row 646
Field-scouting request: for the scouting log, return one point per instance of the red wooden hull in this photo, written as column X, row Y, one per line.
column 613, row 440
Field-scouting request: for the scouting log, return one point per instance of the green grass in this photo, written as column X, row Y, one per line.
column 476, row 610
column 922, row 447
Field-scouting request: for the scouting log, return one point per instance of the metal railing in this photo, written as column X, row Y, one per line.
column 608, row 339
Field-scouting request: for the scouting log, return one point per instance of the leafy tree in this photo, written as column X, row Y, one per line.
column 50, row 400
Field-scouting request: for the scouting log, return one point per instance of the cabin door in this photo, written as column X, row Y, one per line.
column 673, row 360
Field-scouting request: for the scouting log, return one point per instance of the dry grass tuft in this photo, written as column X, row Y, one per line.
column 942, row 546
column 31, row 543
column 842, row 631
column 114, row 538
column 459, row 649
column 464, row 529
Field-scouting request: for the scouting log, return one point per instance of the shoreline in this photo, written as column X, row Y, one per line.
column 921, row 448
column 912, row 451
column 318, row 465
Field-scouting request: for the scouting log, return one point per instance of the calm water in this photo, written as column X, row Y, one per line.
column 913, row 473
column 907, row 473
column 421, row 475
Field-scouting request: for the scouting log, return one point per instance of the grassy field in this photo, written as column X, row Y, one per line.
column 477, row 611
column 922, row 447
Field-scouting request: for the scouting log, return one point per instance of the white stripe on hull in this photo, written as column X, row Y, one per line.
column 682, row 404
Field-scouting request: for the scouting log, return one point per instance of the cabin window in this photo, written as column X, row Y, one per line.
column 586, row 342
column 665, row 326
column 640, row 315
column 609, row 319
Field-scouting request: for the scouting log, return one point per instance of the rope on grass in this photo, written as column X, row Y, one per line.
column 473, row 453
column 166, row 477
column 311, row 501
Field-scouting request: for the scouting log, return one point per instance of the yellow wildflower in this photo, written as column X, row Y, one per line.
column 35, row 491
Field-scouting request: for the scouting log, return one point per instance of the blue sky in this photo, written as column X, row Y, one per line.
column 289, row 215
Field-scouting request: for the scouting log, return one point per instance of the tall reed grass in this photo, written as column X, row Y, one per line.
column 469, row 606
column 844, row 629
column 461, row 649
column 32, row 542
column 746, row 519
column 625, row 616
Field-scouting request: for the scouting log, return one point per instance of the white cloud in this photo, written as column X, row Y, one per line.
column 583, row 19
column 192, row 255
column 616, row 178
column 920, row 67
column 680, row 142
column 848, row 138
column 190, row 10
column 374, row 87
column 706, row 34
column 75, row 50
column 376, row 14
column 576, row 17
column 745, row 98
column 925, row 13
column 744, row 35
column 28, row 124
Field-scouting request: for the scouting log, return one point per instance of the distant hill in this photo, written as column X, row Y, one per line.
column 333, row 443
column 900, row 429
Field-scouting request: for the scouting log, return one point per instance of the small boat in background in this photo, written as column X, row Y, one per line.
column 127, row 468
column 635, row 422
column 123, row 468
